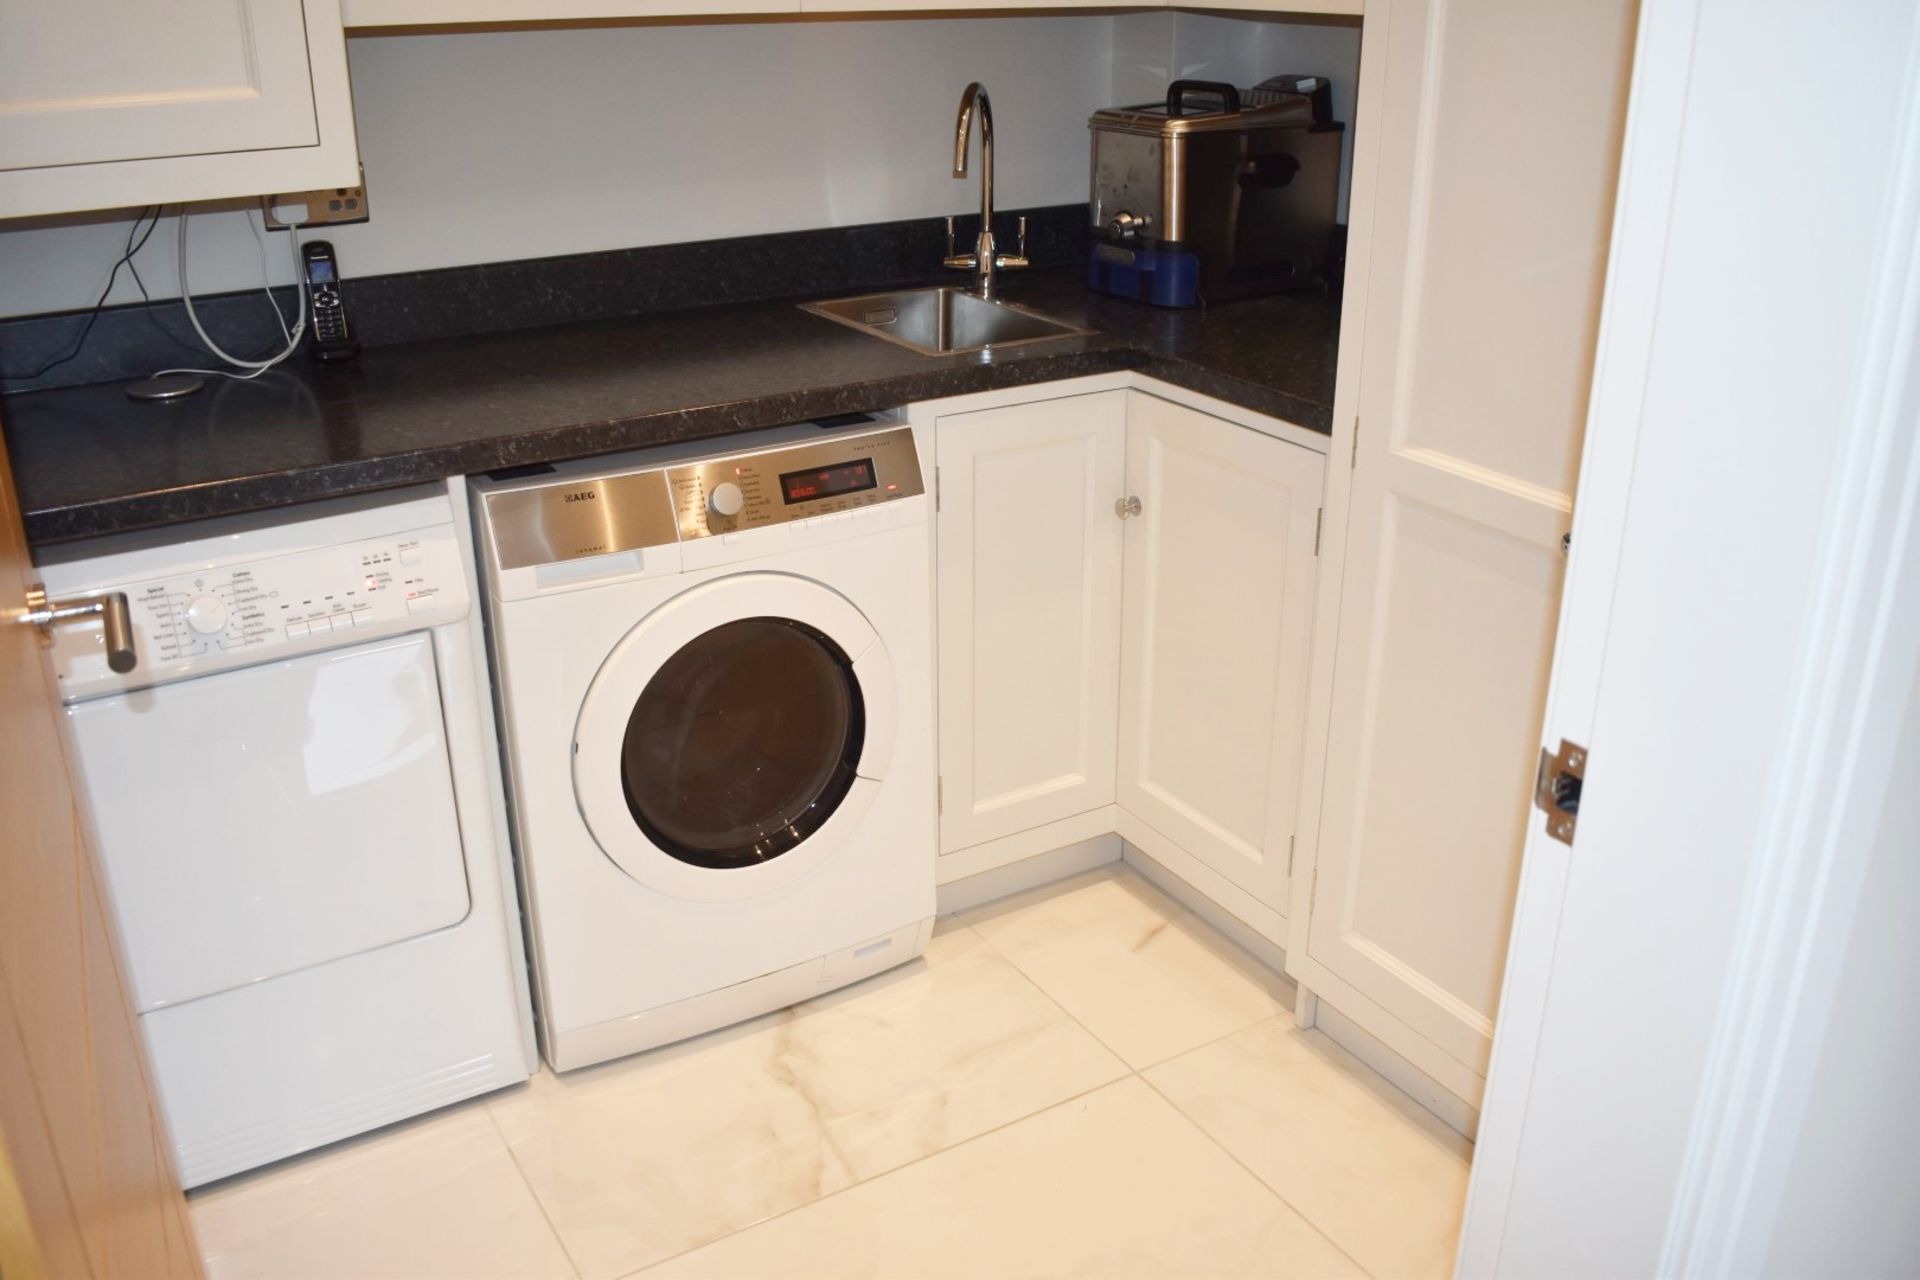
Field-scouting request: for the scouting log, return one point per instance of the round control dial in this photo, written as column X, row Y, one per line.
column 207, row 615
column 726, row 499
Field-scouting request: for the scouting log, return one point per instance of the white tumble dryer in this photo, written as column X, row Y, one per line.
column 716, row 683
column 299, row 812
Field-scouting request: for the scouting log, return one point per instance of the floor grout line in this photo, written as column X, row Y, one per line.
column 534, row 1192
column 1127, row 1072
column 1272, row 1190
column 1081, row 1023
column 1209, row 1043
column 1053, row 1000
column 883, row 1175
column 1139, row 1073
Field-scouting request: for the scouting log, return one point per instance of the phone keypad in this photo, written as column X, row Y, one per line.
column 329, row 318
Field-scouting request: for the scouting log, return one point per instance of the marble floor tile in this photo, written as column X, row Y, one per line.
column 1143, row 973
column 1114, row 1183
column 643, row 1159
column 439, row 1197
column 1363, row 1161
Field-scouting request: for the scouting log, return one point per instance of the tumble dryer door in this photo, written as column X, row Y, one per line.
column 734, row 739
column 270, row 819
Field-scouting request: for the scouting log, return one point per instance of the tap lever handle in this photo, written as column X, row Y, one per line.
column 957, row 261
column 1018, row 259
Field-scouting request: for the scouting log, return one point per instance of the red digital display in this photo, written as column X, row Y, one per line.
column 826, row 482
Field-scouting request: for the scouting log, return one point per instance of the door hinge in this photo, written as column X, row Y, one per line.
column 940, row 795
column 1313, row 893
column 1318, row 515
column 1289, row 857
column 1556, row 788
column 1353, row 459
column 936, row 488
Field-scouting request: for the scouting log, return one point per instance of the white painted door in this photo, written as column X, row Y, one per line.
column 1495, row 152
column 1028, row 566
column 1218, row 616
column 117, row 103
column 87, row 1187
column 1740, row 649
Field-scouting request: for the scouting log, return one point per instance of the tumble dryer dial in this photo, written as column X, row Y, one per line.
column 207, row 615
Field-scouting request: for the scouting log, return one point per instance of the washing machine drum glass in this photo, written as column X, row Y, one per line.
column 743, row 743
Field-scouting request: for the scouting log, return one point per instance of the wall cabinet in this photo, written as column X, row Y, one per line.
column 1092, row 654
column 120, row 103
column 1219, row 573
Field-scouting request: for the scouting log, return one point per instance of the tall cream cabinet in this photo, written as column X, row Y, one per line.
column 1125, row 596
column 1487, row 181
column 121, row 103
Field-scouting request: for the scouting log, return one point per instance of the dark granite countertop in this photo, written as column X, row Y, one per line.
column 89, row 461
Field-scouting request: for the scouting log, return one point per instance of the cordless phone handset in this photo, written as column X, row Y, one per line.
column 332, row 336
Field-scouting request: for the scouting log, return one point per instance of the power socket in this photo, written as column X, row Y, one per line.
column 326, row 207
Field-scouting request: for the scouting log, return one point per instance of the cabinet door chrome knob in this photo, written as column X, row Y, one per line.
column 1126, row 507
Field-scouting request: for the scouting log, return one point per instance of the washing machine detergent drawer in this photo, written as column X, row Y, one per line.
column 257, row 822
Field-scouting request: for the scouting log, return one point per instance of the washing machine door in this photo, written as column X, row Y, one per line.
column 735, row 737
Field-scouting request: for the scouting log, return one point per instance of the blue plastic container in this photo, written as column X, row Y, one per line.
column 1163, row 277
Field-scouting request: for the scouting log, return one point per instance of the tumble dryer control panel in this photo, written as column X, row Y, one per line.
column 798, row 482
column 226, row 614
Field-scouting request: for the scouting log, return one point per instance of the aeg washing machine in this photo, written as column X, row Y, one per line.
column 717, row 692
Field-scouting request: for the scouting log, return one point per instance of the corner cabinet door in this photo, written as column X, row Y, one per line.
column 1217, row 623
column 117, row 103
column 1489, row 248
column 1029, row 600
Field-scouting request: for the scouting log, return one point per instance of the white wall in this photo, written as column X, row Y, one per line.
column 503, row 145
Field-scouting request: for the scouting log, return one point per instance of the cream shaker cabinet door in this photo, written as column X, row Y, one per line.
column 1489, row 246
column 1217, row 621
column 1028, row 564
column 107, row 103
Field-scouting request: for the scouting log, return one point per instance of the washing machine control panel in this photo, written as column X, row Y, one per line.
column 237, row 614
column 797, row 482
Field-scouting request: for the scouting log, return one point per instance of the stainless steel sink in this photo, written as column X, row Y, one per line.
column 940, row 322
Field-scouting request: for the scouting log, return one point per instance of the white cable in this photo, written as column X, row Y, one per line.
column 257, row 367
column 258, row 227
